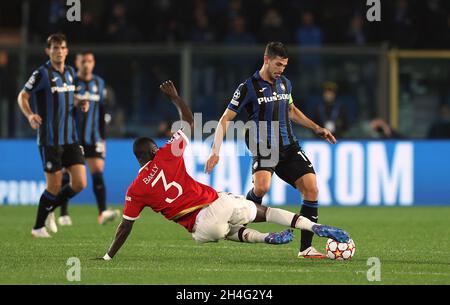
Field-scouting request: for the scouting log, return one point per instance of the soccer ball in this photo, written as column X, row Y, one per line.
column 340, row 251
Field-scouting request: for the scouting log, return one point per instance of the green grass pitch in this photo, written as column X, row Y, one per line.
column 413, row 245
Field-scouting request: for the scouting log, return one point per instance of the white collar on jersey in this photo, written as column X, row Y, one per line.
column 144, row 166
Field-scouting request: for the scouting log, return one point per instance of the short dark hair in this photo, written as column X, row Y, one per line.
column 144, row 149
column 276, row 48
column 85, row 52
column 57, row 38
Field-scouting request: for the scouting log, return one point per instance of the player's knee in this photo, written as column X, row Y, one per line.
column 79, row 185
column 219, row 231
column 261, row 189
column 311, row 192
column 54, row 188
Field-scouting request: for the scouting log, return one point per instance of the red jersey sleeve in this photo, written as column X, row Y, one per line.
column 175, row 147
column 133, row 207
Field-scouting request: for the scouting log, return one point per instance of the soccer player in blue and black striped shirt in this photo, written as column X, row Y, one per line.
column 91, row 133
column 267, row 98
column 53, row 87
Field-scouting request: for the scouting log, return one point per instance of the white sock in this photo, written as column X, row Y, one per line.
column 284, row 218
column 304, row 223
column 248, row 235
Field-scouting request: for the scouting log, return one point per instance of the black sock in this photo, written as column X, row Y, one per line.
column 47, row 204
column 310, row 211
column 63, row 198
column 99, row 191
column 252, row 197
column 65, row 179
column 64, row 205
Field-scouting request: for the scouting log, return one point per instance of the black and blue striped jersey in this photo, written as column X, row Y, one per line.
column 53, row 94
column 265, row 102
column 91, row 124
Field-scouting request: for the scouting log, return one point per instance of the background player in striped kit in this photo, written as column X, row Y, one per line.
column 53, row 87
column 90, row 128
column 267, row 98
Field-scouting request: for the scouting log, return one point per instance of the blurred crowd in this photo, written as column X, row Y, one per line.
column 405, row 23
column 346, row 104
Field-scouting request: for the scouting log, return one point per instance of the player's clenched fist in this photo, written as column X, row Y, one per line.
column 168, row 88
column 35, row 120
column 212, row 161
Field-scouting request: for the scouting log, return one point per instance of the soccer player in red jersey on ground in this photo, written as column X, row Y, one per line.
column 164, row 185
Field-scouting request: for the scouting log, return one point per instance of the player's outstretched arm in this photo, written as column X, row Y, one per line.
column 299, row 117
column 123, row 230
column 221, row 129
column 169, row 89
column 24, row 103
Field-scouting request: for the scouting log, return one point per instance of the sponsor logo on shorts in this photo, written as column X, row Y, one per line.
column 99, row 147
column 48, row 165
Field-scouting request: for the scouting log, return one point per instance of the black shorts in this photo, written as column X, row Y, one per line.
column 292, row 164
column 94, row 151
column 54, row 158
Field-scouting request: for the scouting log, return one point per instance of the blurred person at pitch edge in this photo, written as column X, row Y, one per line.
column 330, row 111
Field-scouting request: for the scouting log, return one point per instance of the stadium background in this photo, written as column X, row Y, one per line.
column 396, row 71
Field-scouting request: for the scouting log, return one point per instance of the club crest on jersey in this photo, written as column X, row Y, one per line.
column 70, row 78
column 94, row 88
column 282, row 87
